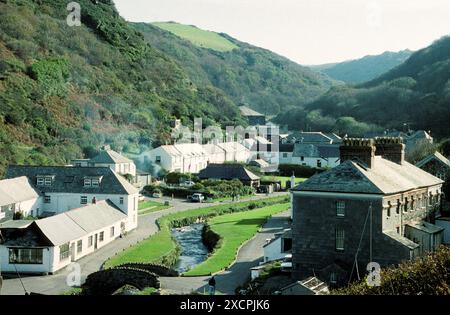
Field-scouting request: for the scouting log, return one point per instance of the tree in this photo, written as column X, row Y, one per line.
column 445, row 147
column 421, row 150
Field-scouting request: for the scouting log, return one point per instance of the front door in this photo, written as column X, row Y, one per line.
column 95, row 241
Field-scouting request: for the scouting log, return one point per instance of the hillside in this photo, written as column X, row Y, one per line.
column 364, row 69
column 199, row 37
column 267, row 82
column 417, row 93
column 65, row 90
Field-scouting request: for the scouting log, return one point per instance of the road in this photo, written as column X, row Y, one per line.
column 227, row 281
column 57, row 284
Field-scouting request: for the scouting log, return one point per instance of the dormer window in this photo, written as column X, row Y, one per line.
column 87, row 182
column 44, row 180
column 95, row 182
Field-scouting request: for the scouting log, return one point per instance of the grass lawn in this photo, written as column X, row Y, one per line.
column 282, row 179
column 161, row 244
column 148, row 206
column 235, row 229
column 198, row 37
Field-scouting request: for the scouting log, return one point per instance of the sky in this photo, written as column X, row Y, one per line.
column 307, row 31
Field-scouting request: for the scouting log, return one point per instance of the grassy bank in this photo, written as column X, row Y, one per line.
column 161, row 248
column 148, row 206
column 235, row 229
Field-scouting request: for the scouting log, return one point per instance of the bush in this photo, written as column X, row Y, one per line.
column 298, row 170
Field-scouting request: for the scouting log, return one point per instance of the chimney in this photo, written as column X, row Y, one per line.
column 359, row 150
column 391, row 149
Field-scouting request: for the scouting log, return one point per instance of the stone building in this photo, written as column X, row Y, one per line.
column 373, row 207
column 436, row 164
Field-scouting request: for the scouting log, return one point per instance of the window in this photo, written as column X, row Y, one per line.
column 79, row 246
column 90, row 241
column 95, row 183
column 121, row 200
column 32, row 256
column 398, row 206
column 340, row 236
column 87, row 182
column 158, row 159
column 302, row 158
column 389, row 209
column 333, row 278
column 285, row 155
column 319, row 163
column 405, row 206
column 64, row 252
column 398, row 230
column 47, row 199
column 112, row 231
column 40, row 181
column 83, row 200
column 412, row 203
column 102, row 236
column 340, row 209
column 48, row 181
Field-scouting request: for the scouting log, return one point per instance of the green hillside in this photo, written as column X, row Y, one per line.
column 364, row 69
column 65, row 90
column 416, row 93
column 267, row 82
column 200, row 38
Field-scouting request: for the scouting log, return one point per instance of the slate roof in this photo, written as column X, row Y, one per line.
column 71, row 179
column 212, row 148
column 227, row 172
column 401, row 239
column 231, row 147
column 77, row 223
column 426, row 227
column 385, row 177
column 14, row 190
column 247, row 111
column 110, row 157
column 316, row 151
column 310, row 137
column 288, row 147
column 435, row 156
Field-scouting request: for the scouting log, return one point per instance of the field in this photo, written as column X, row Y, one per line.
column 282, row 179
column 235, row 229
column 161, row 244
column 148, row 206
column 198, row 37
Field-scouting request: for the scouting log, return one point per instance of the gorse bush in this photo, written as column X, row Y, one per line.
column 425, row 276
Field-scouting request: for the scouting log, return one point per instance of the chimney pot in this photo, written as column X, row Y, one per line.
column 391, row 149
column 357, row 149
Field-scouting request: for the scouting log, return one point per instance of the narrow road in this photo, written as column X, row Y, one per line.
column 227, row 281
column 57, row 284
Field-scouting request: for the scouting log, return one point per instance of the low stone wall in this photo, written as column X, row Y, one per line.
column 106, row 282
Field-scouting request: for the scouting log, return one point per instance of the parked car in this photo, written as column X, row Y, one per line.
column 197, row 197
column 286, row 264
column 188, row 183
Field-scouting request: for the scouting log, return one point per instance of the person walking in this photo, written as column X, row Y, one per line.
column 212, row 286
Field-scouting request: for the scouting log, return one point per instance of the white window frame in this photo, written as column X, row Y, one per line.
column 95, row 183
column 40, row 181
column 340, row 208
column 340, row 239
column 87, row 182
column 47, row 181
column 83, row 200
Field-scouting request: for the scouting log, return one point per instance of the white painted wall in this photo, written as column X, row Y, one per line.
column 273, row 251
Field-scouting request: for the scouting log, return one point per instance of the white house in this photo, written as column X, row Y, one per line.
column 48, row 245
column 64, row 188
column 278, row 247
column 194, row 157
column 17, row 196
column 109, row 158
column 314, row 155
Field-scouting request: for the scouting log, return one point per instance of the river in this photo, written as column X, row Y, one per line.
column 193, row 251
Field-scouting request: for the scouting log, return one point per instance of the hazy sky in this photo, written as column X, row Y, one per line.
column 307, row 31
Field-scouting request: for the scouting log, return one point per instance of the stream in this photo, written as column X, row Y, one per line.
column 193, row 251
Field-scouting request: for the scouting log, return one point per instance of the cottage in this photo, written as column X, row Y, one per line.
column 254, row 118
column 18, row 198
column 108, row 158
column 63, row 188
column 313, row 138
column 309, row 286
column 230, row 172
column 436, row 164
column 374, row 207
column 47, row 245
column 313, row 155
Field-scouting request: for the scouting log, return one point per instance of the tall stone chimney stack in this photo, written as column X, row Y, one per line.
column 391, row 149
column 358, row 150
